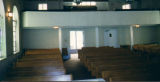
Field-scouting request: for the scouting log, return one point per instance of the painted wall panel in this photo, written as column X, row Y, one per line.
column 145, row 35
column 98, row 18
column 101, row 36
column 48, row 38
column 40, row 39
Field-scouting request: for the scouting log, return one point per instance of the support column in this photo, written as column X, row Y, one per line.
column 60, row 38
column 132, row 37
column 97, row 36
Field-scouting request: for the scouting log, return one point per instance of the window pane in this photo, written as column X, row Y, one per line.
column 45, row 7
column 14, row 35
column 126, row 6
column 14, row 49
column 88, row 3
column 79, row 37
column 72, row 40
column 74, row 4
column 93, row 3
column 40, row 6
column 123, row 7
column 14, row 43
column 0, row 43
column 14, row 23
column 84, row 4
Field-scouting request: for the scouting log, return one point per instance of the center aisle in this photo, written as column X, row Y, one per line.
column 77, row 69
column 39, row 65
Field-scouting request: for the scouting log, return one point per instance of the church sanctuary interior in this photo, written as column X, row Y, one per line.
column 80, row 40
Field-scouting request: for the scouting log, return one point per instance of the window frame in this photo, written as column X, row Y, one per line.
column 3, row 53
column 126, row 6
column 42, row 6
column 16, row 31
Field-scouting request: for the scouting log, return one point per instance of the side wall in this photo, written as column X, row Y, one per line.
column 158, row 33
column 145, row 35
column 48, row 38
column 40, row 38
column 142, row 35
column 8, row 62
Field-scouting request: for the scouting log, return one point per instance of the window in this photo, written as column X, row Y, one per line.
column 15, row 31
column 0, row 42
column 14, row 35
column 85, row 4
column 93, row 3
column 126, row 6
column 2, row 31
column 42, row 6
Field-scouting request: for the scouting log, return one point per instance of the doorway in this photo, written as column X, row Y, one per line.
column 76, row 41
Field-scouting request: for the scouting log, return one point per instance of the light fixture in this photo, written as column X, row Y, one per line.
column 137, row 25
column 10, row 14
column 55, row 27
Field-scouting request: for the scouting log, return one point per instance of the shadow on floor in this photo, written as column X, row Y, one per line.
column 76, row 68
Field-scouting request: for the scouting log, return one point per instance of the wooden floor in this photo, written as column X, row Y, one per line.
column 39, row 65
column 75, row 67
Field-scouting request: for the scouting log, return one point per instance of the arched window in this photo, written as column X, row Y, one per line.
column 2, row 31
column 15, row 30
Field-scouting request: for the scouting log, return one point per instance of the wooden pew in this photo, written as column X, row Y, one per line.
column 43, row 78
column 119, row 66
column 98, row 60
column 127, row 75
column 40, row 65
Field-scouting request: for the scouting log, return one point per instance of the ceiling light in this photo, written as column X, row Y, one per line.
column 55, row 27
column 10, row 14
column 137, row 25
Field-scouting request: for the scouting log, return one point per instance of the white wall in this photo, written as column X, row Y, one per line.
column 145, row 35
column 90, row 37
column 40, row 38
column 87, row 19
column 124, row 35
column 48, row 38
column 158, row 33
column 142, row 35
column 102, row 5
column 101, row 36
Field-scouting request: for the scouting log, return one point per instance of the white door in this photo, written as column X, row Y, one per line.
column 76, row 40
column 110, row 38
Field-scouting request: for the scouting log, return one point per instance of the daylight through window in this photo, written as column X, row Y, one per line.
column 92, row 3
column 126, row 6
column 42, row 6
